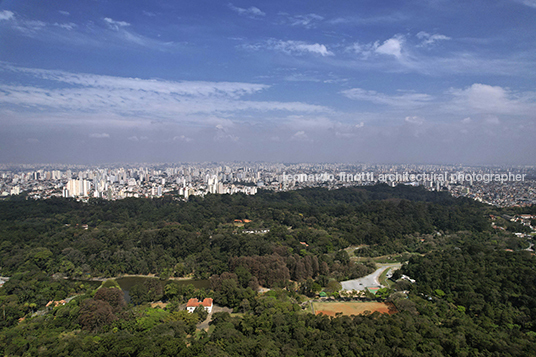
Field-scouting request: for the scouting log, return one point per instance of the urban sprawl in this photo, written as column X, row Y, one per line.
column 499, row 186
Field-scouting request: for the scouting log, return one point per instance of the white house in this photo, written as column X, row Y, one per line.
column 193, row 303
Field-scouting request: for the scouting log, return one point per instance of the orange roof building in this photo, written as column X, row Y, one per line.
column 207, row 303
column 56, row 303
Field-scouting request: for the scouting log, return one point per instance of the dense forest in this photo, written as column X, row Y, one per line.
column 474, row 292
column 138, row 236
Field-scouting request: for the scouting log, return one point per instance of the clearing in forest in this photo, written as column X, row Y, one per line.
column 353, row 308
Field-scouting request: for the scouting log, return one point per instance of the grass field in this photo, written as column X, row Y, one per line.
column 352, row 308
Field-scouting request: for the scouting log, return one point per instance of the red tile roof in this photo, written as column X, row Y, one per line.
column 194, row 302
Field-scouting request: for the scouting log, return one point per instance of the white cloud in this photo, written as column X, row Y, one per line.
column 487, row 99
column 223, row 132
column 99, row 135
column 182, row 138
column 185, row 88
column 107, row 33
column 136, row 138
column 406, row 99
column 135, row 99
column 364, row 50
column 392, row 47
column 67, row 26
column 428, row 39
column 249, row 12
column 6, row 15
column 116, row 25
column 26, row 27
column 411, row 58
column 466, row 120
column 299, row 47
column 66, row 13
column 414, row 120
column 299, row 136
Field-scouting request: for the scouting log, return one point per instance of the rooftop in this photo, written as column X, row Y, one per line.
column 194, row 302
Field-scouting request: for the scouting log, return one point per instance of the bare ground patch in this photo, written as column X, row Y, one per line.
column 353, row 308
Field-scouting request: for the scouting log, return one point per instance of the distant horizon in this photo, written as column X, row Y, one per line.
column 414, row 81
column 265, row 162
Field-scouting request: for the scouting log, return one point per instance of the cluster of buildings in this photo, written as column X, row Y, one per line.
column 502, row 195
column 120, row 182
column 500, row 186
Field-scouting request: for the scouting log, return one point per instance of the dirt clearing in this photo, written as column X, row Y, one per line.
column 353, row 308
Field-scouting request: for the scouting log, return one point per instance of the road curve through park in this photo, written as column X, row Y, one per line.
column 371, row 280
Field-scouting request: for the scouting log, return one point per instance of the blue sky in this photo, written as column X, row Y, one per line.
column 427, row 81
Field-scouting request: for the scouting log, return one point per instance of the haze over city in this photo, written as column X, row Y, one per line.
column 86, row 82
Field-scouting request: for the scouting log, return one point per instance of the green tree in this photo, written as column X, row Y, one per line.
column 201, row 313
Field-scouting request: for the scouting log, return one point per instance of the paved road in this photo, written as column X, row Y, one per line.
column 367, row 281
column 204, row 324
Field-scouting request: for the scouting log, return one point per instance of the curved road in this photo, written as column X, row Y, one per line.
column 367, row 281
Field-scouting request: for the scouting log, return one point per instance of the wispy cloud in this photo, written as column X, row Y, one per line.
column 116, row 25
column 401, row 100
column 6, row 15
column 99, row 135
column 414, row 120
column 148, row 13
column 67, row 26
column 105, row 33
column 428, row 39
column 478, row 100
column 373, row 20
column 307, row 21
column 182, row 138
column 185, row 88
column 65, row 92
column 251, row 12
column 531, row 3
column 406, row 53
column 300, row 136
column 30, row 28
column 300, row 47
column 290, row 47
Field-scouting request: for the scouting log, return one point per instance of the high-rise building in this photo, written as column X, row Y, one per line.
column 77, row 188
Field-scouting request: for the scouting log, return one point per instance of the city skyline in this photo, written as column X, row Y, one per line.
column 416, row 82
column 498, row 186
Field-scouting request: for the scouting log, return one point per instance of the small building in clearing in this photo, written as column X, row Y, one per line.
column 207, row 303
